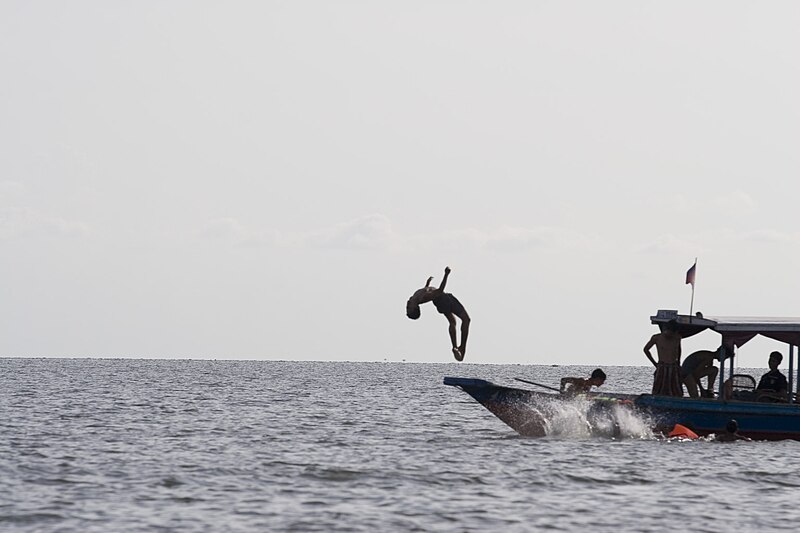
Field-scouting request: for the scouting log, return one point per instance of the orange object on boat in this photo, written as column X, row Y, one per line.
column 682, row 431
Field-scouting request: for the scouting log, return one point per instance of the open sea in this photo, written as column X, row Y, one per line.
column 190, row 445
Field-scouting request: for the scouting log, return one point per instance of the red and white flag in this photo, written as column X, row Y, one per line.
column 690, row 274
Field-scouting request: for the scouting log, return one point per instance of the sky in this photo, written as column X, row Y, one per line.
column 273, row 179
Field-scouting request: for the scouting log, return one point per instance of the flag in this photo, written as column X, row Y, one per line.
column 690, row 274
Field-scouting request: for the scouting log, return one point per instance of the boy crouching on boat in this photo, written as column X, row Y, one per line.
column 446, row 304
column 698, row 365
column 573, row 386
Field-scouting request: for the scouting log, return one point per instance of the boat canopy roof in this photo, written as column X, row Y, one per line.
column 735, row 331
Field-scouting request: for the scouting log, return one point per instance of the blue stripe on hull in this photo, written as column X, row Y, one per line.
column 756, row 420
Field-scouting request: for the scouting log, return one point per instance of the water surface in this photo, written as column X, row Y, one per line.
column 112, row 445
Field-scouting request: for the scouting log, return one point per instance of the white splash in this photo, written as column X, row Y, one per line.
column 583, row 418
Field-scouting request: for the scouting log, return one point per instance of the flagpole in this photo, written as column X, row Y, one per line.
column 691, row 305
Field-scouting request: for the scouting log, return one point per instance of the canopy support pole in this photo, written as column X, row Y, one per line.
column 732, row 370
column 797, row 392
column 791, row 372
column 721, row 358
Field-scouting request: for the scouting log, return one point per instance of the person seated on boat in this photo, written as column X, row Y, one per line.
column 667, row 377
column 446, row 304
column 573, row 386
column 773, row 386
column 698, row 365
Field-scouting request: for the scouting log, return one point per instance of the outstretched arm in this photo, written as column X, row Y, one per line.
column 444, row 279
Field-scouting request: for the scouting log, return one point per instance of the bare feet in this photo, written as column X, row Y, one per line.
column 457, row 354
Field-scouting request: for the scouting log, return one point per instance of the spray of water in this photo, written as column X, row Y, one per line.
column 582, row 419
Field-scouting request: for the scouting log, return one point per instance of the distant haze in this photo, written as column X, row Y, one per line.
column 272, row 180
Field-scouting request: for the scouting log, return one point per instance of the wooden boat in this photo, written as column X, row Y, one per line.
column 534, row 414
column 529, row 412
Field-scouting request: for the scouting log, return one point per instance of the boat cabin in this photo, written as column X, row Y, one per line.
column 735, row 332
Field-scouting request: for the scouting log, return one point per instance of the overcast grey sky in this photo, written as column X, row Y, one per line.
column 274, row 179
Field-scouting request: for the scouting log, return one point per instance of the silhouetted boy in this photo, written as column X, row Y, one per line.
column 446, row 304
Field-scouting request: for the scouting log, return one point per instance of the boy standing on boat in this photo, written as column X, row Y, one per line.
column 446, row 304
column 667, row 377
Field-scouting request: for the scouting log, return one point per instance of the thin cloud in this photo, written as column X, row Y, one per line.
column 678, row 203
column 506, row 239
column 544, row 238
column 10, row 189
column 375, row 232
column 737, row 202
column 25, row 221
column 670, row 244
column 718, row 239
column 232, row 231
column 225, row 229
column 733, row 202
column 463, row 239
column 770, row 237
column 371, row 232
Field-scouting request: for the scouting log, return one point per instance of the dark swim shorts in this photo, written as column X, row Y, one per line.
column 447, row 303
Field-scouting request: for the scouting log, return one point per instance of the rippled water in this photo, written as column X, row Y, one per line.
column 126, row 445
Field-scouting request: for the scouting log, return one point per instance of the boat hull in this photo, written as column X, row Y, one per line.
column 531, row 413
column 528, row 414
